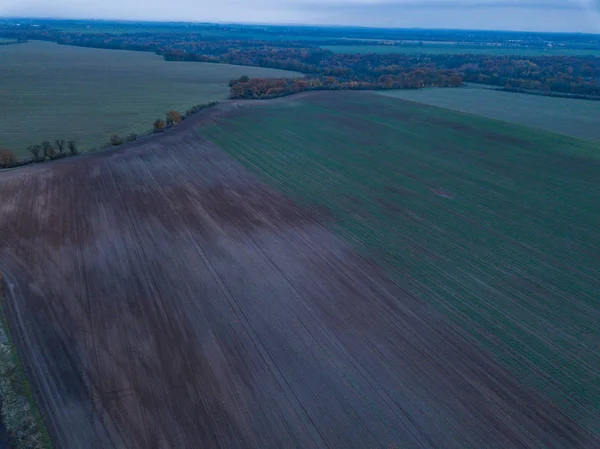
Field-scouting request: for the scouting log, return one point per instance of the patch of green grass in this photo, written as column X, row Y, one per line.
column 578, row 118
column 494, row 224
column 459, row 49
column 50, row 91
column 20, row 414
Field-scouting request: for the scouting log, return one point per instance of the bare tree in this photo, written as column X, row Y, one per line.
column 60, row 144
column 72, row 147
column 48, row 149
column 35, row 151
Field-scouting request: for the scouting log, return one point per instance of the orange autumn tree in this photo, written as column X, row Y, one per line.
column 158, row 125
column 173, row 118
column 7, row 158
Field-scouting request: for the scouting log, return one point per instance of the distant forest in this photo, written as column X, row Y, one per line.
column 577, row 76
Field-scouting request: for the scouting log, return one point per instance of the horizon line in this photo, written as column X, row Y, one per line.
column 288, row 24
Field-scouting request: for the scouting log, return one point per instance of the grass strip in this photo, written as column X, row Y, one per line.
column 20, row 414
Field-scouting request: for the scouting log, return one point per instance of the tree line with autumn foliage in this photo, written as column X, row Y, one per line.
column 572, row 75
column 569, row 75
column 264, row 88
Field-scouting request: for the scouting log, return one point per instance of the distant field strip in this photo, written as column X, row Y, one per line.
column 456, row 49
column 495, row 224
column 578, row 118
column 50, row 91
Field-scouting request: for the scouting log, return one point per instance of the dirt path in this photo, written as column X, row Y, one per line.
column 164, row 297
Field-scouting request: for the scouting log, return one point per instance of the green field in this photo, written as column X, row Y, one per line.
column 578, row 118
column 455, row 49
column 50, row 91
column 211, row 31
column 495, row 224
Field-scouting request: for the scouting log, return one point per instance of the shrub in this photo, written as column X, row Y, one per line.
column 131, row 137
column 159, row 125
column 115, row 139
column 197, row 108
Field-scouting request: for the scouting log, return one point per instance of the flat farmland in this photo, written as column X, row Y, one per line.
column 161, row 295
column 493, row 224
column 578, row 118
column 50, row 91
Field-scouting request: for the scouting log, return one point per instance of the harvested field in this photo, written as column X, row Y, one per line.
column 164, row 297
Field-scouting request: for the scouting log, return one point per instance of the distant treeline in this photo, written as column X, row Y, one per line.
column 264, row 88
column 16, row 41
column 561, row 74
column 347, row 35
column 577, row 75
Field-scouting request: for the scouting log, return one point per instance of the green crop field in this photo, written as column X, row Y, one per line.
column 495, row 224
column 50, row 91
column 455, row 49
column 578, row 118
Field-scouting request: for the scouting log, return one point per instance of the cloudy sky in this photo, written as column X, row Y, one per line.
column 534, row 15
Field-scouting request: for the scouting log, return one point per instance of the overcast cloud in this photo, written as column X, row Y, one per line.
column 535, row 15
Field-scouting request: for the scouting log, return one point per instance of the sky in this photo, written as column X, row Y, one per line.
column 530, row 15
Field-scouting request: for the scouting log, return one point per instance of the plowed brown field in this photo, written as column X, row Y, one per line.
column 163, row 297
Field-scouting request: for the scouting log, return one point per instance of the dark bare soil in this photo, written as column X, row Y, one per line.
column 164, row 298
